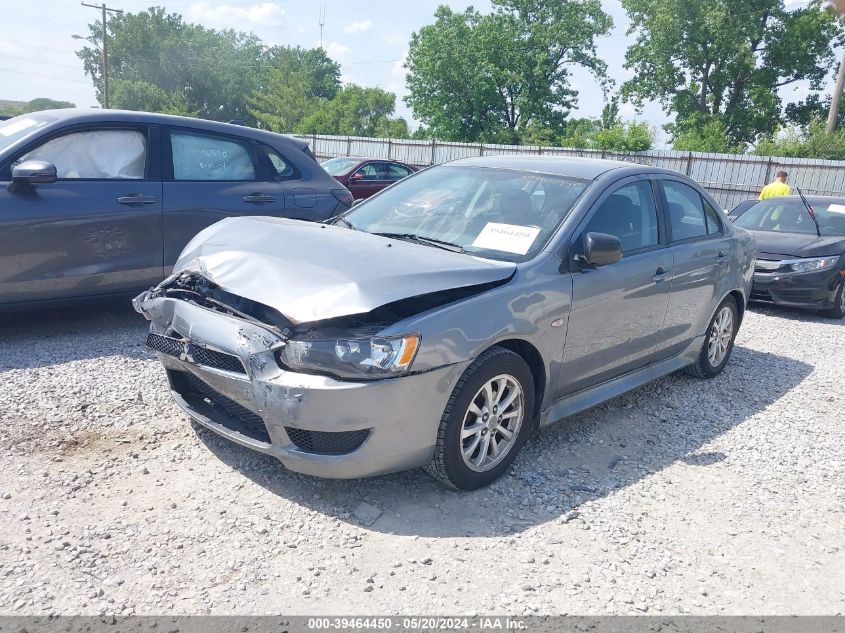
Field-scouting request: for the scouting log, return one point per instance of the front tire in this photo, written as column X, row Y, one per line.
column 718, row 342
column 488, row 417
column 838, row 309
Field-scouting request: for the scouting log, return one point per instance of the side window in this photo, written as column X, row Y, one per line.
column 714, row 222
column 685, row 210
column 97, row 154
column 371, row 171
column 205, row 157
column 395, row 172
column 628, row 213
column 284, row 170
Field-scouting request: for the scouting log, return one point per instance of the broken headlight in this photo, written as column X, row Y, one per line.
column 376, row 357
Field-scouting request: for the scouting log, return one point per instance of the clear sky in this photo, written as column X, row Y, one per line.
column 368, row 39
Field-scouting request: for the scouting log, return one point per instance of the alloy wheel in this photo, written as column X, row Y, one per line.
column 492, row 422
column 720, row 337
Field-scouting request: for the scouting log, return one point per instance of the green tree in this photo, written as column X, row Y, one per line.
column 812, row 108
column 35, row 105
column 321, row 72
column 726, row 59
column 355, row 111
column 283, row 100
column 702, row 133
column 499, row 76
column 145, row 97
column 809, row 142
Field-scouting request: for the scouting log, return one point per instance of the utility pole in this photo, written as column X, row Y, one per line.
column 322, row 22
column 837, row 94
column 105, row 49
column 839, row 5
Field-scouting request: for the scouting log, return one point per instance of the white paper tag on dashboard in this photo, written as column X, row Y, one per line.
column 836, row 208
column 508, row 238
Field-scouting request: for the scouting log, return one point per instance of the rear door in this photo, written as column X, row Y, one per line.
column 97, row 229
column 368, row 179
column 700, row 251
column 208, row 177
column 618, row 310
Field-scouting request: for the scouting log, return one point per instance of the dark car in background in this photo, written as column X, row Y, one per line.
column 364, row 176
column 99, row 202
column 800, row 261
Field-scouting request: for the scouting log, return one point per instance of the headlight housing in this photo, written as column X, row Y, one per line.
column 812, row 264
column 362, row 358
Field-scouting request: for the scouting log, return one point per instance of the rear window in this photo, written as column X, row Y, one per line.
column 339, row 166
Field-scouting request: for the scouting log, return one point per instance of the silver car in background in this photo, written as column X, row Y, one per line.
column 441, row 322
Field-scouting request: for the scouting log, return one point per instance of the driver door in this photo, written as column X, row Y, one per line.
column 618, row 310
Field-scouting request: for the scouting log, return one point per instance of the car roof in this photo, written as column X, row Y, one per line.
column 72, row 116
column 572, row 166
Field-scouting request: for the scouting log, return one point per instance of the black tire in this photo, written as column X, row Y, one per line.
column 448, row 463
column 837, row 311
column 703, row 367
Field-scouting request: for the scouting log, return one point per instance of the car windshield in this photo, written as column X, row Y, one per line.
column 789, row 215
column 13, row 130
column 496, row 213
column 338, row 166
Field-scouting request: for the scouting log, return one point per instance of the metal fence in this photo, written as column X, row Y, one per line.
column 730, row 178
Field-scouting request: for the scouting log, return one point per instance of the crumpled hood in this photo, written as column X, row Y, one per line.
column 771, row 243
column 310, row 272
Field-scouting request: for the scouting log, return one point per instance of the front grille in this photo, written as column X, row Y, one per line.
column 198, row 355
column 232, row 415
column 327, row 443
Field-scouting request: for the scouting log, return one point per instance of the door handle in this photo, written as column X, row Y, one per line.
column 259, row 198
column 722, row 256
column 137, row 198
column 660, row 275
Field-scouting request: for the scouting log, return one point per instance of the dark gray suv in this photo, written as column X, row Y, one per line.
column 99, row 202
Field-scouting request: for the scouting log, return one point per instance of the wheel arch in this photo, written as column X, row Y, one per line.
column 532, row 357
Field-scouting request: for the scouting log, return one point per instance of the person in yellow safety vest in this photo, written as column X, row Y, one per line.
column 776, row 188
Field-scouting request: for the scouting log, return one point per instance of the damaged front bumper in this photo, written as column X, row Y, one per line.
column 223, row 372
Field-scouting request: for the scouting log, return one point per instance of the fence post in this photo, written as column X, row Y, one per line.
column 689, row 164
column 349, row 146
column 389, row 149
column 433, row 146
column 768, row 177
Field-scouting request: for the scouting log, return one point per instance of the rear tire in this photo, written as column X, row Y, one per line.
column 489, row 416
column 718, row 341
column 838, row 309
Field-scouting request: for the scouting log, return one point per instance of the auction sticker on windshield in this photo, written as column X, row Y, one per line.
column 508, row 238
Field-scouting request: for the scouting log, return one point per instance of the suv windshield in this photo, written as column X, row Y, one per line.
column 339, row 166
column 496, row 213
column 789, row 215
column 18, row 127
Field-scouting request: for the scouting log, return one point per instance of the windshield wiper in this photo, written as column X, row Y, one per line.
column 422, row 239
column 810, row 211
column 342, row 218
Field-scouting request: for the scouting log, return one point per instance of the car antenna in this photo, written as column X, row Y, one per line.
column 810, row 211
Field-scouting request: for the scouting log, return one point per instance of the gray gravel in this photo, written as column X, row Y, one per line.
column 685, row 496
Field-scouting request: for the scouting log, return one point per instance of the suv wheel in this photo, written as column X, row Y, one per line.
column 486, row 421
column 718, row 343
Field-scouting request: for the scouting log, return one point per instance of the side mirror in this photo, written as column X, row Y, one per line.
column 600, row 249
column 357, row 176
column 33, row 172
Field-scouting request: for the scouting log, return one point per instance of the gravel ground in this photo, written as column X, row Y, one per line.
column 685, row 496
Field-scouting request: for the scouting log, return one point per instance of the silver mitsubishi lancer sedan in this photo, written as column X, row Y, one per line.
column 442, row 321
